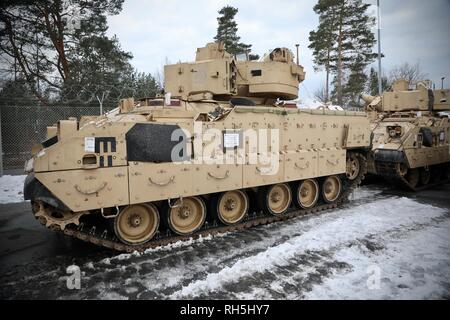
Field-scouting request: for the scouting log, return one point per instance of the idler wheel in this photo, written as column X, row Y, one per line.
column 276, row 199
column 413, row 177
column 353, row 167
column 232, row 207
column 402, row 169
column 137, row 224
column 307, row 194
column 331, row 189
column 187, row 215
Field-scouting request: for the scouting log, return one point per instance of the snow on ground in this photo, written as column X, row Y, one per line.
column 411, row 267
column 338, row 238
column 379, row 246
column 11, row 189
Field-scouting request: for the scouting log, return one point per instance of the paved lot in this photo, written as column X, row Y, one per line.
column 323, row 256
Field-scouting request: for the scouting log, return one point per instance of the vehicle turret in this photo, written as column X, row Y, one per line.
column 216, row 74
column 403, row 99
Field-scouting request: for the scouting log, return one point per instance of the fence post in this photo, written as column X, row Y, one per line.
column 1, row 145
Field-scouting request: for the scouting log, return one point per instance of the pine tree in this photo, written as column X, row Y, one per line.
column 59, row 43
column 322, row 41
column 372, row 86
column 227, row 33
column 356, row 83
column 342, row 39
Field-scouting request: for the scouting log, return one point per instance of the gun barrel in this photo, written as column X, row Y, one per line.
column 367, row 98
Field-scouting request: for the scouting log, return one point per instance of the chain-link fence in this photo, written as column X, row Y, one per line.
column 24, row 126
column 24, row 116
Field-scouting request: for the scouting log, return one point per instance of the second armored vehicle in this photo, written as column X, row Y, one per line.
column 222, row 150
column 411, row 135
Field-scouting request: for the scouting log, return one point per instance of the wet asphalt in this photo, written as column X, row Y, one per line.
column 34, row 260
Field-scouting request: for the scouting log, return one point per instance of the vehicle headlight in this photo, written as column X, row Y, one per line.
column 394, row 131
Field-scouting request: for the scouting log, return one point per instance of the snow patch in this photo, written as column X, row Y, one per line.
column 166, row 248
column 11, row 189
column 364, row 193
column 410, row 268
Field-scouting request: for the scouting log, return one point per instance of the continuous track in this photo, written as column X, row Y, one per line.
column 101, row 236
column 392, row 172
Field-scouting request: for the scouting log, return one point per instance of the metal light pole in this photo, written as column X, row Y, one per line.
column 380, row 87
column 442, row 80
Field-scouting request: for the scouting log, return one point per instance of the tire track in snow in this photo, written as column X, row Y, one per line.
column 350, row 225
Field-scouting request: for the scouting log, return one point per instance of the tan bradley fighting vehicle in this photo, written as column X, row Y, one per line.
column 220, row 151
column 411, row 139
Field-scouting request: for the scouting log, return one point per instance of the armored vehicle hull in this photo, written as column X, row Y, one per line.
column 163, row 170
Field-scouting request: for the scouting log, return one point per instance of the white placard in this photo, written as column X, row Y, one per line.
column 89, row 144
column 442, row 136
column 231, row 140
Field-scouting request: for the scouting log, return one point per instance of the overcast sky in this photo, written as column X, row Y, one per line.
column 153, row 30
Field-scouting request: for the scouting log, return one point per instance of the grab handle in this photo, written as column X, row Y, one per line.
column 227, row 174
column 306, row 166
column 162, row 184
column 93, row 191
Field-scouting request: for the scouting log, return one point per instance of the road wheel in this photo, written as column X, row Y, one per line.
column 137, row 224
column 307, row 194
column 187, row 215
column 331, row 189
column 276, row 199
column 231, row 207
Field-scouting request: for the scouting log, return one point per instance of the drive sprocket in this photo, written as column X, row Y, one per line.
column 52, row 217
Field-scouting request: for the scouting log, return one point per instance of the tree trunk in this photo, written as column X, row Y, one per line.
column 330, row 47
column 327, row 85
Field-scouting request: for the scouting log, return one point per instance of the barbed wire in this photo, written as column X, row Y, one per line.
column 78, row 95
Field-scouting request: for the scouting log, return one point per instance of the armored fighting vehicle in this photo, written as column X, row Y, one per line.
column 223, row 149
column 411, row 135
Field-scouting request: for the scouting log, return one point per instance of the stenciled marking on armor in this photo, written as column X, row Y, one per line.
column 107, row 141
column 109, row 146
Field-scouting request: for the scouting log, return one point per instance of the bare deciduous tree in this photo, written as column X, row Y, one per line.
column 320, row 95
column 410, row 72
